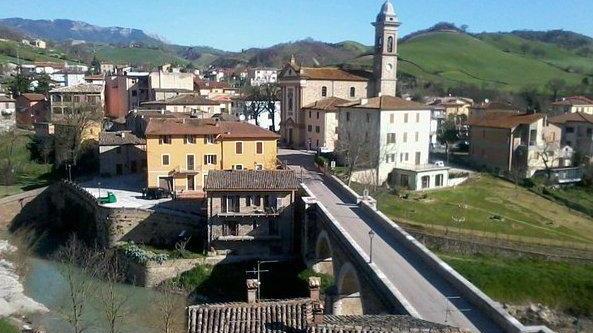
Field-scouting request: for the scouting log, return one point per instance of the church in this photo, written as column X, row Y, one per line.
column 320, row 104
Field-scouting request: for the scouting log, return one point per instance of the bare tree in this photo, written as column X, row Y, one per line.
column 254, row 102
column 7, row 152
column 78, row 270
column 169, row 308
column 114, row 301
column 271, row 94
column 77, row 122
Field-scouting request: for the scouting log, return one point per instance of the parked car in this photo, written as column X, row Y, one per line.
column 439, row 163
column 155, row 193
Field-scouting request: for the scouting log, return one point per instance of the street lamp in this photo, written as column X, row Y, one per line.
column 371, row 235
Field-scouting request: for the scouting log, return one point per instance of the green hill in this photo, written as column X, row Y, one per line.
column 137, row 55
column 13, row 51
column 451, row 58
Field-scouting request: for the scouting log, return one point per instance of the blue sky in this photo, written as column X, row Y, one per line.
column 237, row 24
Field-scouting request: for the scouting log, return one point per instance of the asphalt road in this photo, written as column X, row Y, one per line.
column 433, row 297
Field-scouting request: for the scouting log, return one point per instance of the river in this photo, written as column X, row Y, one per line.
column 46, row 288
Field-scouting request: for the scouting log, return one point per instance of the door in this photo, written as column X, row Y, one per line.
column 425, row 181
column 191, row 185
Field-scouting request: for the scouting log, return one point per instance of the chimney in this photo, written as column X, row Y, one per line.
column 292, row 60
column 314, row 288
column 252, row 286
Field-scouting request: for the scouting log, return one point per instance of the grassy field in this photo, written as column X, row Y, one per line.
column 27, row 54
column 29, row 174
column 576, row 197
column 152, row 57
column 6, row 327
column 488, row 206
column 563, row 286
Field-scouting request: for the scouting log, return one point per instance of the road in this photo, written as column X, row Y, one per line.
column 433, row 297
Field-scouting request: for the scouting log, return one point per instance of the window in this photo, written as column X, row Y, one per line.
column 248, row 200
column 532, row 137
column 191, row 139
column 209, row 159
column 390, row 158
column 309, row 114
column 570, row 130
column 368, row 117
column 259, row 167
column 390, row 137
column 165, row 159
column 190, row 162
column 347, row 116
column 589, row 132
column 391, row 118
column 425, row 181
column 405, row 137
column 405, row 117
column 418, row 157
column 352, row 92
column 390, row 44
column 239, row 147
column 317, row 129
column 416, row 136
column 238, row 167
column 309, row 128
column 165, row 140
column 317, row 115
column 257, row 200
column 324, row 91
column 290, row 99
column 230, row 229
column 259, row 148
column 417, row 117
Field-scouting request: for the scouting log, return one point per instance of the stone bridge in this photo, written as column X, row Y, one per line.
column 403, row 277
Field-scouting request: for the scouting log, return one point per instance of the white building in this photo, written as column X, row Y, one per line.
column 264, row 120
column 259, row 76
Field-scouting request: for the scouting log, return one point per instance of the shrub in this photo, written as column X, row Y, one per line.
column 140, row 255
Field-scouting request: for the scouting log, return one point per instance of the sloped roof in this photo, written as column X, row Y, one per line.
column 192, row 126
column 6, row 99
column 205, row 84
column 184, row 99
column 327, row 104
column 336, row 74
column 34, row 96
column 379, row 324
column 119, row 138
column 574, row 100
column 386, row 103
column 85, row 88
column 505, row 120
column 577, row 117
column 251, row 180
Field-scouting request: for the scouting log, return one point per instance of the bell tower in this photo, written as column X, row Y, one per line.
column 385, row 59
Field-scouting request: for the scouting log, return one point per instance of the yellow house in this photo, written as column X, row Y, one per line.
column 180, row 152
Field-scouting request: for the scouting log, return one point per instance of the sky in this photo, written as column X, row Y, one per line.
column 237, row 24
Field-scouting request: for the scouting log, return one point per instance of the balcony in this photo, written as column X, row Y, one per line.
column 265, row 212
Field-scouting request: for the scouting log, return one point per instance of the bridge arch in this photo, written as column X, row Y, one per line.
column 323, row 255
column 349, row 298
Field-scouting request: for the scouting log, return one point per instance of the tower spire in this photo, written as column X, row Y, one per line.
column 385, row 60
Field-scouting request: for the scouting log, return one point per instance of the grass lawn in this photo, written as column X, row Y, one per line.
column 492, row 207
column 564, row 286
column 29, row 174
column 576, row 197
column 7, row 327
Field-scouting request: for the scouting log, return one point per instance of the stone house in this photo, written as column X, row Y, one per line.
column 7, row 113
column 321, row 121
column 573, row 104
column 577, row 132
column 516, row 144
column 261, row 75
column 31, row 108
column 182, row 151
column 189, row 103
column 121, row 153
column 251, row 212
column 453, row 106
column 166, row 83
column 65, row 100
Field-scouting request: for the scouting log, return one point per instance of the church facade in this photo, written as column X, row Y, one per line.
column 303, row 86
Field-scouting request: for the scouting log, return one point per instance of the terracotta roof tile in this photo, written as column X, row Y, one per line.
column 574, row 100
column 184, row 99
column 387, row 103
column 86, row 88
column 379, row 324
column 576, row 117
column 192, row 126
column 337, row 74
column 251, row 180
column 505, row 120
column 328, row 104
column 34, row 96
column 119, row 138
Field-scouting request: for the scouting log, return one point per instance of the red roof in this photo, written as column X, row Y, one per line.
column 577, row 117
column 574, row 100
column 34, row 96
column 505, row 120
column 192, row 126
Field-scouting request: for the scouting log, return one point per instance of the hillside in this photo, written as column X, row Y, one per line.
column 9, row 50
column 64, row 30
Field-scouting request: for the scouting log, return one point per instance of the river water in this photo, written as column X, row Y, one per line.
column 43, row 291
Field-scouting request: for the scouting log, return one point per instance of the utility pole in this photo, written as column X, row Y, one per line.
column 258, row 272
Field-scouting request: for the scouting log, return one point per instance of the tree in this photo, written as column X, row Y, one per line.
column 78, row 269
column 168, row 308
column 255, row 104
column 271, row 94
column 555, row 86
column 113, row 301
column 95, row 65
column 76, row 123
column 448, row 134
column 7, row 155
column 43, row 84
column 19, row 84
